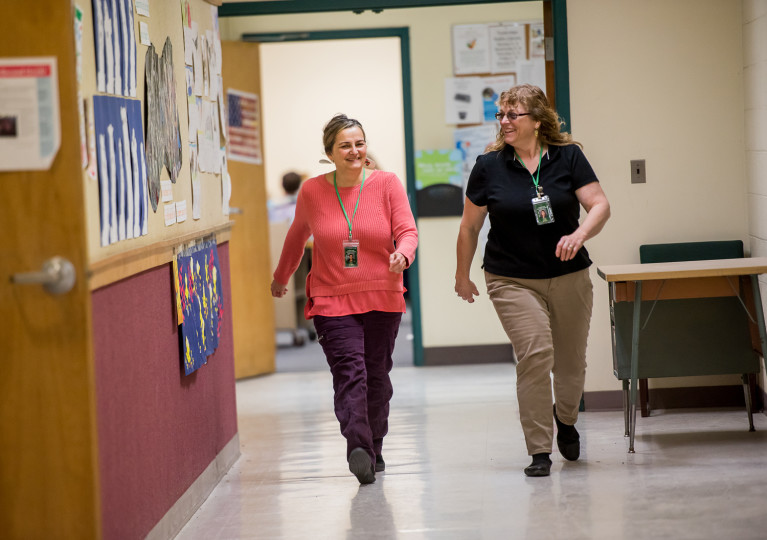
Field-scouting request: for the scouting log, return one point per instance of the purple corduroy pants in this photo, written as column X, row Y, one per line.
column 359, row 350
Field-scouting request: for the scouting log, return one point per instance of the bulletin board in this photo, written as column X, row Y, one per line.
column 200, row 209
column 487, row 60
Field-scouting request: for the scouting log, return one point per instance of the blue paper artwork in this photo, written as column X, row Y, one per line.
column 123, row 193
column 115, row 43
column 200, row 297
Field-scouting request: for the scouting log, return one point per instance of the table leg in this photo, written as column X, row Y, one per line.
column 634, row 364
column 759, row 316
column 626, row 406
column 747, row 393
column 615, row 359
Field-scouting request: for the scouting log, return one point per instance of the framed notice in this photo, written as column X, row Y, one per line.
column 244, row 142
column 30, row 127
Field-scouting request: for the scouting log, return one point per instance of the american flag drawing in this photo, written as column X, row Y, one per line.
column 244, row 141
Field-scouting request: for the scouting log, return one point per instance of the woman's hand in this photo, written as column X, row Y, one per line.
column 397, row 262
column 468, row 233
column 466, row 289
column 594, row 201
column 568, row 246
column 279, row 289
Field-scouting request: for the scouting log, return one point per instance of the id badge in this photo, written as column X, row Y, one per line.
column 542, row 209
column 351, row 253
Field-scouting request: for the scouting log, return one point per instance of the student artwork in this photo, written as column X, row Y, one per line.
column 202, row 58
column 163, row 133
column 196, row 187
column 115, row 42
column 192, row 105
column 122, row 177
column 199, row 303
column 208, row 138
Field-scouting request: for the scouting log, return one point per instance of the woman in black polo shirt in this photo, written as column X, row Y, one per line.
column 532, row 182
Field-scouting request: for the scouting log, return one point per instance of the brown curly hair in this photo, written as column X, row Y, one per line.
column 534, row 100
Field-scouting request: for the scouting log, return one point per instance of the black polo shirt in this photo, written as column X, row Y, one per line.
column 516, row 245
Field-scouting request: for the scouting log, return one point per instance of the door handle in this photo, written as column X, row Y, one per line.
column 57, row 276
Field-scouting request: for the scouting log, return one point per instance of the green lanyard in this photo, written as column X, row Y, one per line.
column 349, row 221
column 535, row 178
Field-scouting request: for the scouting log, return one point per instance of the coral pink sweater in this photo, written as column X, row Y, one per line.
column 383, row 220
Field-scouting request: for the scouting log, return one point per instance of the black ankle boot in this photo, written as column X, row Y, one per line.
column 541, row 465
column 568, row 440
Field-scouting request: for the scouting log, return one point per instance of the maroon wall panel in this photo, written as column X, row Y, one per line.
column 158, row 429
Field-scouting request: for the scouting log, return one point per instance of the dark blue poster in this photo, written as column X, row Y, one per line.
column 200, row 303
column 123, row 195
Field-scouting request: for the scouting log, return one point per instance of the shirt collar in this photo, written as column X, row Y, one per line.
column 510, row 155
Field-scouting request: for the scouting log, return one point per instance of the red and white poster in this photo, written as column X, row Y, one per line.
column 30, row 130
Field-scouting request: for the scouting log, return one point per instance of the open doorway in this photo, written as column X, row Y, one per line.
column 365, row 75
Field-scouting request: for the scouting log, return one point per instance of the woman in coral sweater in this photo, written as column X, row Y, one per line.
column 364, row 237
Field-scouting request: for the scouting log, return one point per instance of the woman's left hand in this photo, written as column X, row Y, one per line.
column 568, row 246
column 397, row 262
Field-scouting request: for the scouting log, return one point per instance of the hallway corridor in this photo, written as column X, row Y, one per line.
column 454, row 459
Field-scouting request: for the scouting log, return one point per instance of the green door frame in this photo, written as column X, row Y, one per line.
column 561, row 80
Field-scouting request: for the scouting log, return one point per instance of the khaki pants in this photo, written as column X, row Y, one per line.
column 547, row 321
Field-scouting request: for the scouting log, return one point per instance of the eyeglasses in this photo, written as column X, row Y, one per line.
column 511, row 115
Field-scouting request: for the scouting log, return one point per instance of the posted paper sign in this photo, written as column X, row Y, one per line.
column 471, row 49
column 463, row 100
column 169, row 214
column 30, row 128
column 507, row 47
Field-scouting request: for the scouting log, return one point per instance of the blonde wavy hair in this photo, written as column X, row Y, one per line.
column 534, row 100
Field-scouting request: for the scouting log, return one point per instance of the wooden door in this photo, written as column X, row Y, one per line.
column 249, row 254
column 48, row 447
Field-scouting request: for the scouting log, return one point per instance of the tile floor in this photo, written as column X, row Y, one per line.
column 454, row 459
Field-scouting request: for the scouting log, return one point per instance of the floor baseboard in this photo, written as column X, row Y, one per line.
column 185, row 507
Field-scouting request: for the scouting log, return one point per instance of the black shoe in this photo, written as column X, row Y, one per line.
column 380, row 463
column 568, row 440
column 359, row 464
column 541, row 465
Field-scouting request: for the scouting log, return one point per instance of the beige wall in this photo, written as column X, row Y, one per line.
column 755, row 86
column 645, row 83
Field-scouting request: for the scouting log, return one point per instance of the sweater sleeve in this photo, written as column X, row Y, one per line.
column 402, row 222
column 295, row 241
